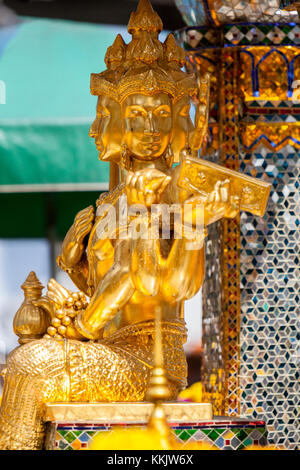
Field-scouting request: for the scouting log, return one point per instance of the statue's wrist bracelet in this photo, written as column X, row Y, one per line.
column 73, row 269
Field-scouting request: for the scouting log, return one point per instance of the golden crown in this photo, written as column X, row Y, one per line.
column 145, row 65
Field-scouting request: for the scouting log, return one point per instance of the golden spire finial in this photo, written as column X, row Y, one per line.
column 115, row 53
column 145, row 65
column 144, row 26
column 173, row 51
column 32, row 285
column 144, row 19
column 158, row 390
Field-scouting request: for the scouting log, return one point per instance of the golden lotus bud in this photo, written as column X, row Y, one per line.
column 55, row 322
column 51, row 330
column 72, row 313
column 60, row 313
column 66, row 321
column 62, row 330
column 69, row 302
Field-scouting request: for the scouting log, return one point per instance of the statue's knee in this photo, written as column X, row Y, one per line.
column 33, row 358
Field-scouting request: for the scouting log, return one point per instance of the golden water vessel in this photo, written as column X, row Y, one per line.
column 98, row 346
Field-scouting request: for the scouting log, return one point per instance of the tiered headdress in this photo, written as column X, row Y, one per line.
column 145, row 65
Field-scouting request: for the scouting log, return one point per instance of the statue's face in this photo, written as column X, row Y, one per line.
column 148, row 125
column 106, row 128
column 183, row 126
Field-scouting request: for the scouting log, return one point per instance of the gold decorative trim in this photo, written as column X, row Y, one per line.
column 126, row 412
column 273, row 135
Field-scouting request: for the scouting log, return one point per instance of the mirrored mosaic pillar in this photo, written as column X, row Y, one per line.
column 255, row 127
column 213, row 338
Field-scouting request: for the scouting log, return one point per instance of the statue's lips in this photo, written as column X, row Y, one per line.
column 153, row 146
column 99, row 146
column 150, row 140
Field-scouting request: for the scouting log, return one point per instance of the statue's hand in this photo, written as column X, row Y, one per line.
column 146, row 186
column 63, row 306
column 73, row 244
column 220, row 203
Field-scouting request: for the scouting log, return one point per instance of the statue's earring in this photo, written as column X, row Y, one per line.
column 186, row 152
column 169, row 156
column 126, row 162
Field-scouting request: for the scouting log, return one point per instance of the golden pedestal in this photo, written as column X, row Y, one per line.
column 72, row 426
column 120, row 413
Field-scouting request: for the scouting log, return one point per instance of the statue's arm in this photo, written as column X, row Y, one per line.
column 78, row 273
column 145, row 267
column 73, row 258
column 218, row 204
column 111, row 294
column 183, row 270
column 145, row 188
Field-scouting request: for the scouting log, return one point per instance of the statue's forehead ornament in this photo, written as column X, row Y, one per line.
column 145, row 65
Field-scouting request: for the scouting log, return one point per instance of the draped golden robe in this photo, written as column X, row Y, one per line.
column 75, row 371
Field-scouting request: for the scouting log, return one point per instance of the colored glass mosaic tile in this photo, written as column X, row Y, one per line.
column 199, row 12
column 254, row 128
column 270, row 276
column 261, row 35
column 232, row 35
column 230, row 436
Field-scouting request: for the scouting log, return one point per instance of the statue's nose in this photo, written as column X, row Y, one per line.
column 149, row 124
column 93, row 131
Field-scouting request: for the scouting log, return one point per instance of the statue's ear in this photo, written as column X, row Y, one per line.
column 169, row 156
column 202, row 115
column 182, row 127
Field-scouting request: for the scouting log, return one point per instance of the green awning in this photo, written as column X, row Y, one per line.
column 45, row 66
column 49, row 157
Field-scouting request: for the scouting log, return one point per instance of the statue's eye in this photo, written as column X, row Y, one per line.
column 163, row 112
column 103, row 113
column 134, row 112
